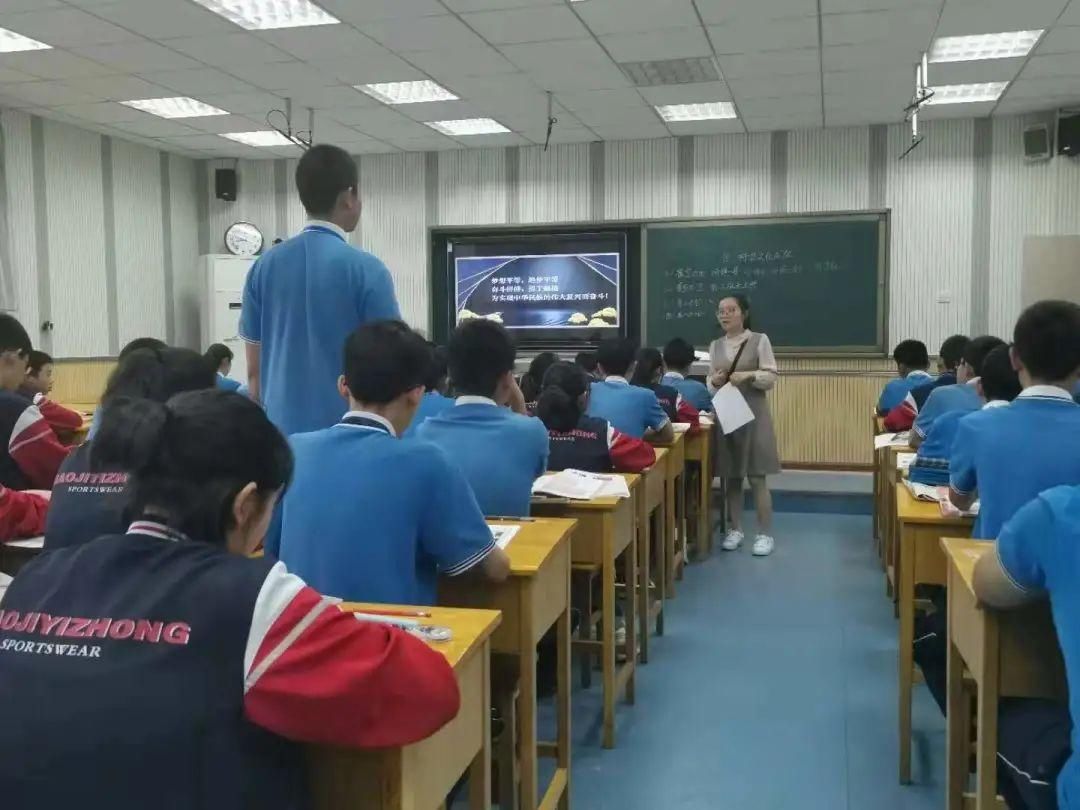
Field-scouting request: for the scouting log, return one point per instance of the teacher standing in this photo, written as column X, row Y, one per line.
column 746, row 360
column 307, row 294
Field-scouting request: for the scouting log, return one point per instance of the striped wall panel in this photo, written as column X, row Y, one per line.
column 472, row 187
column 183, row 223
column 640, row 179
column 731, row 175
column 554, row 185
column 255, row 201
column 295, row 215
column 21, row 226
column 828, row 170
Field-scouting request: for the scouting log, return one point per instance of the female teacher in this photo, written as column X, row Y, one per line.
column 746, row 360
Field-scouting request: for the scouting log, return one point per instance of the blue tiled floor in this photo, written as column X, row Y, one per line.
column 774, row 688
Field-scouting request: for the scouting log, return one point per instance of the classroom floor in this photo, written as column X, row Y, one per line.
column 774, row 687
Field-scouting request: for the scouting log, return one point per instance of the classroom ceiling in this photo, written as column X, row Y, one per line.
column 783, row 64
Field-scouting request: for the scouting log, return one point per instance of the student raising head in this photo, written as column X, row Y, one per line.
column 89, row 496
column 648, row 372
column 949, row 357
column 36, row 388
column 533, row 379
column 962, row 395
column 206, row 664
column 436, row 385
column 421, row 518
column 911, row 361
column 487, row 433
column 679, row 355
column 220, row 358
column 632, row 410
column 579, row 441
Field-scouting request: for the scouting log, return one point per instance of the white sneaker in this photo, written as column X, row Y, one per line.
column 763, row 545
column 733, row 540
column 620, row 632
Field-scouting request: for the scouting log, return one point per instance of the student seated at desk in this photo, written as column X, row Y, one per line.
column 648, row 371
column 1007, row 456
column 89, row 496
column 902, row 417
column 164, row 667
column 582, row 442
column 911, row 360
column 220, row 358
column 487, row 433
column 998, row 385
column 961, row 395
column 629, row 409
column 587, row 361
column 679, row 356
column 436, row 384
column 419, row 516
column 151, row 343
column 533, row 379
column 38, row 385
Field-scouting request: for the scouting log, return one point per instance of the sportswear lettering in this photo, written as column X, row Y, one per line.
column 144, row 630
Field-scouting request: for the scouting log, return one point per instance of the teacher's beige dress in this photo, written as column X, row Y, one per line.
column 750, row 450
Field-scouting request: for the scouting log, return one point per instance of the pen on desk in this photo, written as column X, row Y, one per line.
column 512, row 519
column 411, row 614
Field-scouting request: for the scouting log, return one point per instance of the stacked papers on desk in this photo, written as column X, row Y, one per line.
column 579, row 485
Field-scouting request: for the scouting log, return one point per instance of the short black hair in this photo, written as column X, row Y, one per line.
column 998, row 378
column 37, row 361
column 911, row 353
column 533, row 379
column 13, row 337
column 587, row 360
column 1047, row 339
column 952, row 351
column 480, row 353
column 218, row 353
column 977, row 350
column 383, row 360
column 141, row 343
column 322, row 173
column 679, row 354
column 437, row 368
column 615, row 355
column 157, row 374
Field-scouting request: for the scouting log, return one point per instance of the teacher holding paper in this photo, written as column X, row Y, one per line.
column 745, row 360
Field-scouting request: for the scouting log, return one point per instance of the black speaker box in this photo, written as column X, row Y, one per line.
column 225, row 184
column 1068, row 133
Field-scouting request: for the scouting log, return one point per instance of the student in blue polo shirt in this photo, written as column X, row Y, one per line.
column 487, row 433
column 912, row 362
column 220, row 358
column 678, row 357
column 630, row 409
column 306, row 295
column 950, row 355
column 962, row 395
column 1006, row 456
column 435, row 400
column 421, row 518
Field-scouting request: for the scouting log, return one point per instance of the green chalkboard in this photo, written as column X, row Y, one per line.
column 815, row 284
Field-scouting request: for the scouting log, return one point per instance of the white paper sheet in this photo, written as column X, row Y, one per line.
column 30, row 542
column 731, row 409
column 903, row 460
column 923, row 492
column 579, row 485
column 503, row 534
column 681, row 427
column 700, row 356
column 891, row 440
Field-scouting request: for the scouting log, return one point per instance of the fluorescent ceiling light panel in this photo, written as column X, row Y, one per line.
column 705, row 111
column 177, row 107
column 11, row 42
column 407, row 92
column 468, row 126
column 256, row 15
column 658, row 72
column 967, row 93
column 1005, row 45
column 264, row 137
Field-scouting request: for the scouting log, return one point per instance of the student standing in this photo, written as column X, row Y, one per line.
column 962, row 395
column 487, row 433
column 220, row 358
column 209, row 668
column 950, row 355
column 746, row 360
column 912, row 362
column 678, row 357
column 421, row 518
column 306, row 295
column 38, row 385
column 435, row 400
column 630, row 409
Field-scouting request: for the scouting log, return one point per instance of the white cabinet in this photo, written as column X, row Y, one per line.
column 222, row 288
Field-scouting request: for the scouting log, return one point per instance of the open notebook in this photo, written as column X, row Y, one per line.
column 503, row 534
column 579, row 485
column 940, row 496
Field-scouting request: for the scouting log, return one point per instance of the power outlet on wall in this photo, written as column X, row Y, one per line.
column 944, row 297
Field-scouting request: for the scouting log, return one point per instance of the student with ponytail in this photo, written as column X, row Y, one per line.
column 208, row 667
column 579, row 441
column 649, row 370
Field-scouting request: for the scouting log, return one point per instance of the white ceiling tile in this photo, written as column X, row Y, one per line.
column 770, row 63
column 326, row 98
column 378, row 121
column 488, row 5
column 48, row 94
column 879, row 55
column 857, row 117
column 1060, row 64
column 508, row 86
column 839, row 6
column 989, row 16
column 531, row 120
column 632, row 132
column 686, row 93
column 614, row 99
column 203, row 141
column 499, row 139
column 228, row 123
column 430, row 141
column 870, row 83
column 365, row 11
column 423, row 34
column 718, row 12
column 479, row 61
column 666, row 43
column 13, row 6
column 158, row 19
column 939, row 111
column 103, row 112
column 784, row 105
column 1042, row 88
column 566, row 64
column 1071, row 15
column 61, row 27
column 136, row 57
column 222, row 50
column 118, row 88
column 54, row 64
column 784, row 122
column 560, row 134
column 366, row 70
column 280, row 75
column 1060, row 39
column 537, row 24
column 907, row 25
column 441, row 111
column 199, row 82
column 1043, row 104
column 322, row 42
column 642, row 115
column 773, row 86
column 151, row 126
column 745, row 35
column 255, row 101
column 9, row 76
column 723, row 125
column 631, row 16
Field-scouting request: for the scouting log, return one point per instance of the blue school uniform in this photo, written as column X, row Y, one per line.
column 1010, row 455
column 958, row 397
column 370, row 518
column 501, row 452
column 301, row 300
column 628, row 408
column 432, row 404
column 692, row 391
column 226, row 383
column 896, row 390
column 931, row 464
column 1039, row 549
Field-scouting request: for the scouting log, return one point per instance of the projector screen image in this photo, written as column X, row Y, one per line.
column 545, row 291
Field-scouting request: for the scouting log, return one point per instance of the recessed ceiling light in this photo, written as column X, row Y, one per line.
column 256, row 15
column 264, row 137
column 670, row 71
column 967, row 93
column 178, row 107
column 468, row 126
column 11, row 42
column 984, row 46
column 705, row 111
column 407, row 92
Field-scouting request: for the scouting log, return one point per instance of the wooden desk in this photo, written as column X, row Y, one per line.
column 605, row 530
column 919, row 562
column 1011, row 653
column 699, row 452
column 674, row 511
column 419, row 776
column 534, row 598
column 650, row 507
column 890, row 477
column 876, row 427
